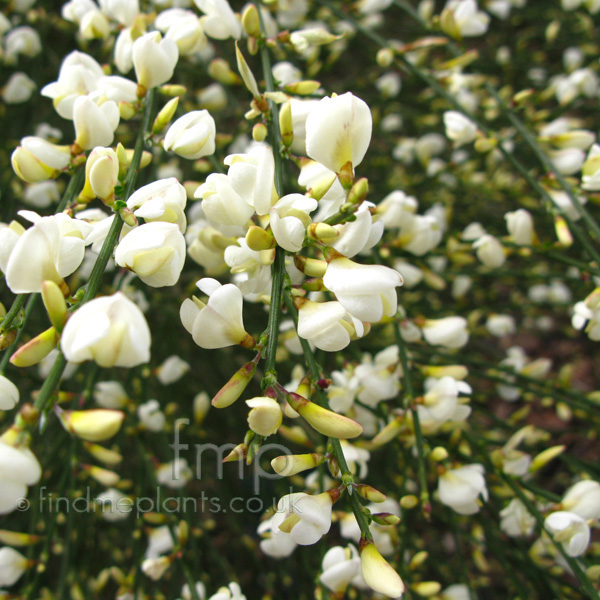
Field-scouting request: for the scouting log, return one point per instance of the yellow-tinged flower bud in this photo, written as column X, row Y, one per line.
column 385, row 56
column 448, row 24
column 388, row 433
column 324, row 421
column 378, row 574
column 409, row 501
column 370, row 493
column 295, row 434
column 235, row 387
column 259, row 132
column 201, row 406
column 238, row 453
column 94, row 425
column 417, row 560
column 438, row 454
column 303, row 88
column 14, row 538
column 36, row 349
column 55, row 304
column 286, row 125
column 155, row 518
column 259, row 239
column 563, row 233
column 220, row 70
column 310, row 266
column 127, row 110
column 426, row 589
column 484, row 145
column 359, row 191
column 104, row 455
column 322, row 232
column 251, row 21
column 386, row 519
column 292, row 464
column 455, row 371
column 103, row 476
column 165, row 115
column 172, row 90
column 246, row 73
column 30, row 168
column 544, row 457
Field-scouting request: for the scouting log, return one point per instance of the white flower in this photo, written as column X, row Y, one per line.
column 586, row 314
column 590, row 180
column 490, row 251
column 340, row 566
column 12, row 566
column 192, row 136
column 49, row 251
column 459, row 128
column 501, row 325
column 460, row 488
column 110, row 394
column 154, row 59
column 450, row 332
column 441, row 398
column 308, row 516
column 78, row 76
column 325, row 325
column 276, row 543
column 150, row 416
column 515, row 519
column 42, row 194
column 154, row 251
column 289, row 220
column 338, row 131
column 123, row 11
column 18, row 89
column 367, row 292
column 420, row 234
column 232, row 592
column 123, row 52
column 359, row 235
column 466, row 21
column 22, row 40
column 9, row 394
column 378, row 377
column 114, row 505
column 162, row 200
column 397, row 209
column 110, row 330
column 219, row 22
column 175, row 474
column 520, row 227
column 583, row 499
column 94, row 125
column 570, row 530
column 37, row 160
column 155, row 568
column 172, row 369
column 219, row 322
column 265, row 415
column 19, row 468
column 184, row 27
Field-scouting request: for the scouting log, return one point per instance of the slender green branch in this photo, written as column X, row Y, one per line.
column 53, row 379
column 28, row 310
column 408, row 397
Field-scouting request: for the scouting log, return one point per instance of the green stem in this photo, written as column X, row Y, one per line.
column 407, row 399
column 28, row 310
column 53, row 379
column 338, row 452
column 12, row 313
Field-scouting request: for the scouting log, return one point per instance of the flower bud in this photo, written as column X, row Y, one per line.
column 101, row 175
column 544, row 457
column 30, row 168
column 238, row 453
column 385, row 57
column 201, row 407
column 265, row 416
column 426, row 589
column 36, row 349
column 359, row 191
column 563, row 233
column 55, row 304
column 385, row 519
column 220, row 70
column 378, row 574
column 234, row 388
column 165, row 115
column 295, row 434
column 323, row 420
column 302, row 88
column 103, row 476
column 172, row 90
column 286, row 125
column 155, row 568
column 388, row 433
column 14, row 538
column 95, row 425
column 126, row 110
column 370, row 493
column 259, row 132
column 250, row 21
column 310, row 266
column 409, row 502
column 292, row 464
column 322, row 232
column 104, row 455
column 438, row 454
column 455, row 371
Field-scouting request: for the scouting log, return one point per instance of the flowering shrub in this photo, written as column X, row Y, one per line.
column 375, row 223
